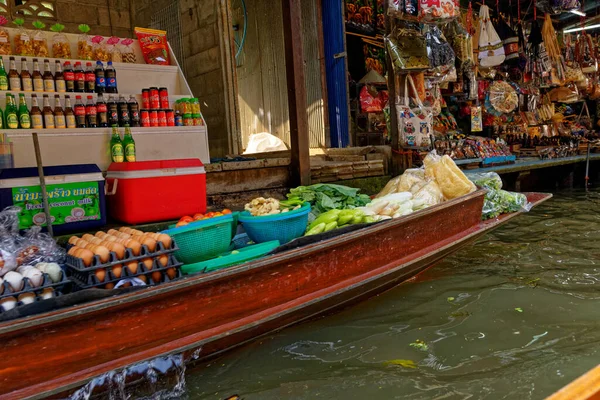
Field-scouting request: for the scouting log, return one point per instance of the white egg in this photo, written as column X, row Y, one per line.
column 41, row 266
column 27, row 298
column 35, row 276
column 47, row 293
column 24, row 268
column 15, row 280
column 8, row 303
column 54, row 271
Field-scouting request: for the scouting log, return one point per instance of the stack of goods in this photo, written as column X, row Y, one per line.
column 156, row 109
column 189, row 110
column 498, row 201
column 29, row 264
column 122, row 258
column 485, row 150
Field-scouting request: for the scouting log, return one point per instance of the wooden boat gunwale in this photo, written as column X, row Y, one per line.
column 99, row 305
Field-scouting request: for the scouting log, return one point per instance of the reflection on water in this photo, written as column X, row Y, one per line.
column 513, row 317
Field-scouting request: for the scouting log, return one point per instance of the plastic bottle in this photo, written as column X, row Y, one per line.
column 80, row 112
column 90, row 78
column 102, row 109
column 79, row 78
column 100, row 78
column 111, row 78
column 70, row 119
column 69, row 77
column 113, row 111
column 124, row 117
column 91, row 113
column 134, row 111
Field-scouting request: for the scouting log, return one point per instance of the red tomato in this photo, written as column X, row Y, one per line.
column 187, row 218
column 198, row 216
column 218, row 214
column 209, row 215
column 226, row 211
column 181, row 223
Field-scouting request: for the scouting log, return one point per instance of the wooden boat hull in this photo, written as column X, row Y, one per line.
column 62, row 350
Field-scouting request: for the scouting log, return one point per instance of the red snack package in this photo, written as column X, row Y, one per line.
column 154, row 46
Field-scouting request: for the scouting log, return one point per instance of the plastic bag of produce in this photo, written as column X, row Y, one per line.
column 429, row 195
column 499, row 202
column 411, row 180
column 487, row 180
column 451, row 180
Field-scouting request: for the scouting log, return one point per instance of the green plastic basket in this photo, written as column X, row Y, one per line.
column 234, row 223
column 202, row 240
column 229, row 258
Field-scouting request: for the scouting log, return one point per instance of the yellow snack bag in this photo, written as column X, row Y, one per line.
column 452, row 181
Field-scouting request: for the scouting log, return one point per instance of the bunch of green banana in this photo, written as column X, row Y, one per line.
column 334, row 219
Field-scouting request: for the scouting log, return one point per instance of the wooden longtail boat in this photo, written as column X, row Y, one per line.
column 59, row 351
column 586, row 387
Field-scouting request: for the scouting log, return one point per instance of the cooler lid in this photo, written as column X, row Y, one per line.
column 155, row 165
column 18, row 177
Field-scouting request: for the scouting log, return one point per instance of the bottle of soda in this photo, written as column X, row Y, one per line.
column 111, row 78
column 113, row 111
column 124, row 117
column 80, row 112
column 91, row 113
column 37, row 119
column 59, row 116
column 48, row 78
column 100, row 78
column 24, row 117
column 129, row 145
column 79, row 78
column 59, row 77
column 12, row 119
column 69, row 77
column 134, row 111
column 117, row 152
column 3, row 76
column 26, row 80
column 69, row 114
column 90, row 78
column 48, row 114
column 102, row 110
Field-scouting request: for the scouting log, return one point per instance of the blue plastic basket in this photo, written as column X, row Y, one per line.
column 284, row 227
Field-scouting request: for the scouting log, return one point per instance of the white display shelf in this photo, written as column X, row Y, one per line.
column 91, row 145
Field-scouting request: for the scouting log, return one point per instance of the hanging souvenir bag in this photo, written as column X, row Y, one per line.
column 553, row 49
column 440, row 53
column 585, row 54
column 403, row 9
column 438, row 10
column 414, row 124
column 510, row 41
column 491, row 50
column 573, row 72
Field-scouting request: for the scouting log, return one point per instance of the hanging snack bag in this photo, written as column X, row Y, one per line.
column 40, row 44
column 61, row 48
column 99, row 51
column 154, row 46
column 23, row 44
column 84, row 46
column 438, row 10
column 113, row 49
column 408, row 50
column 127, row 53
column 5, row 48
column 491, row 49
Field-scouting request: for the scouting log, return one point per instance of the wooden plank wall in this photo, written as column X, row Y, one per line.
column 262, row 89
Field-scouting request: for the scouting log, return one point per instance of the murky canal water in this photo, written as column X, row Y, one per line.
column 516, row 316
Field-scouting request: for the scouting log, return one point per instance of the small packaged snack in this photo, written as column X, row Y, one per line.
column 40, row 44
column 23, row 43
column 84, row 46
column 99, row 51
column 154, row 46
column 127, row 53
column 61, row 48
column 114, row 51
column 5, row 48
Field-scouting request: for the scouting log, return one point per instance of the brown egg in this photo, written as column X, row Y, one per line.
column 88, row 237
column 110, row 238
column 73, row 240
column 171, row 273
column 135, row 246
column 117, row 248
column 117, row 270
column 136, row 232
column 26, row 298
column 101, row 234
column 125, row 229
column 72, row 251
column 165, row 240
column 163, row 260
column 113, row 232
column 122, row 235
column 149, row 242
column 95, row 240
column 148, row 263
column 142, row 278
column 132, row 267
column 100, row 274
column 81, row 243
column 156, row 277
column 109, row 286
column 126, row 285
column 87, row 256
column 103, row 253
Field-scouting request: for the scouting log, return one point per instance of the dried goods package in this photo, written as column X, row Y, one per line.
column 451, row 180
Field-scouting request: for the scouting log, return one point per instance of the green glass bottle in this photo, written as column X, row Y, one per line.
column 3, row 76
column 12, row 119
column 116, row 146
column 129, row 145
column 24, row 117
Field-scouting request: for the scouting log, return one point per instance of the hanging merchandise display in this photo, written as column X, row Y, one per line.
column 408, row 50
column 438, row 10
column 491, row 49
column 414, row 124
column 585, row 54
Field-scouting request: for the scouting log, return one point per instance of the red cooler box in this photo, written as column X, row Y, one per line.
column 152, row 191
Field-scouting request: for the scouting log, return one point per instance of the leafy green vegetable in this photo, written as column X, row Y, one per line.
column 419, row 344
column 498, row 201
column 518, row 309
column 325, row 197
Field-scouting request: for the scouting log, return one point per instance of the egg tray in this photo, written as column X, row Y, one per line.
column 87, row 279
column 37, row 298
column 77, row 263
column 29, row 288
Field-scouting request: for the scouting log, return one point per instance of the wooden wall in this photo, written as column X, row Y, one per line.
column 261, row 80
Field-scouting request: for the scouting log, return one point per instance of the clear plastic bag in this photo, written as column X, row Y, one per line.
column 404, row 9
column 61, row 48
column 5, row 48
column 114, row 49
column 451, row 180
column 99, row 49
column 440, row 53
column 429, row 195
column 408, row 50
column 487, row 180
column 440, row 11
column 411, row 179
column 40, row 44
column 499, row 202
column 127, row 52
column 22, row 40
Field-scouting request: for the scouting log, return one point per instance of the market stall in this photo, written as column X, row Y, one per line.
column 488, row 86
